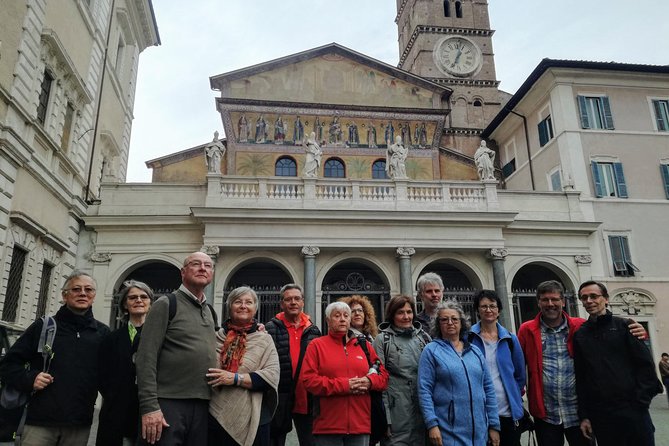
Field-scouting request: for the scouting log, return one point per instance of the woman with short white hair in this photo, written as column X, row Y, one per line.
column 337, row 373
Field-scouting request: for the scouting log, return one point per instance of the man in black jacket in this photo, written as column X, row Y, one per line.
column 615, row 375
column 292, row 331
column 61, row 409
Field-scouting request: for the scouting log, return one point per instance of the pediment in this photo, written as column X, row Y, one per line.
column 330, row 75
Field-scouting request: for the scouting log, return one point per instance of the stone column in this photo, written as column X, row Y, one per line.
column 209, row 292
column 583, row 262
column 310, row 253
column 497, row 256
column 404, row 254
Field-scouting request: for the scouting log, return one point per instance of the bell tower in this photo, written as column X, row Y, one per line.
column 450, row 42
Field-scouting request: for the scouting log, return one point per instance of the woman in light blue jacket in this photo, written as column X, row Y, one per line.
column 505, row 361
column 455, row 391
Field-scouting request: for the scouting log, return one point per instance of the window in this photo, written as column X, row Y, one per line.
column 334, row 168
column 661, row 108
column 478, row 103
column 621, row 257
column 44, row 93
column 458, row 10
column 14, row 280
column 379, row 170
column 509, row 168
column 664, row 168
column 447, row 8
column 285, row 167
column 556, row 180
column 67, row 126
column 45, row 282
column 545, row 131
column 609, row 179
column 595, row 112
column 120, row 50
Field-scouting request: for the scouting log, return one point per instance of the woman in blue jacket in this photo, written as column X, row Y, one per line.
column 505, row 361
column 455, row 391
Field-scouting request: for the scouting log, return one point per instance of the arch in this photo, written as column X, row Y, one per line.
column 334, row 168
column 285, row 166
column 458, row 10
column 472, row 272
column 247, row 258
column 379, row 169
column 447, row 8
column 477, row 102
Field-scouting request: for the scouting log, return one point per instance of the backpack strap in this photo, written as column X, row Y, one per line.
column 362, row 341
column 45, row 344
column 386, row 343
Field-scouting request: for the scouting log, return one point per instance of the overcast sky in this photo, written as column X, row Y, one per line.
column 175, row 108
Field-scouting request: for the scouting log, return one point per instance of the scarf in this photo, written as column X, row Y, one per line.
column 234, row 346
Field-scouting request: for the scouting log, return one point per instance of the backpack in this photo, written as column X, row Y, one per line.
column 379, row 421
column 172, row 301
column 14, row 402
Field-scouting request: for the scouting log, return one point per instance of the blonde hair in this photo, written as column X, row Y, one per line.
column 369, row 326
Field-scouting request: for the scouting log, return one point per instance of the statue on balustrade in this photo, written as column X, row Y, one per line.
column 298, row 131
column 312, row 163
column 214, row 152
column 261, row 130
column 371, row 136
column 485, row 160
column 279, row 131
column 396, row 156
column 353, row 135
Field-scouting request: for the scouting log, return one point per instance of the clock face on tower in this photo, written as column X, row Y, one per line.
column 457, row 56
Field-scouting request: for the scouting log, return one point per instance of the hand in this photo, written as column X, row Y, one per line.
column 637, row 330
column 219, row 377
column 434, row 434
column 494, row 436
column 359, row 386
column 586, row 428
column 42, row 380
column 152, row 426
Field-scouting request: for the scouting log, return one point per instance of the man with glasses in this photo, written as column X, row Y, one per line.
column 547, row 342
column 431, row 293
column 292, row 331
column 175, row 352
column 65, row 385
column 615, row 375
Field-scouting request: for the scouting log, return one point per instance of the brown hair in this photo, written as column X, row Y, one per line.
column 369, row 327
column 397, row 302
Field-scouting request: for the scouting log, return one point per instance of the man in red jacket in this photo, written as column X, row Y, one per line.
column 547, row 343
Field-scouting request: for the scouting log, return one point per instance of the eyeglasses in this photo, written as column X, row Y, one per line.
column 585, row 297
column 449, row 320
column 77, row 290
column 200, row 264
column 488, row 307
column 137, row 297
column 358, row 311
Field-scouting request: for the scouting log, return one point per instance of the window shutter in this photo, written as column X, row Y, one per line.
column 618, row 255
column 608, row 117
column 660, row 117
column 543, row 134
column 585, row 122
column 665, row 177
column 596, row 179
column 620, row 180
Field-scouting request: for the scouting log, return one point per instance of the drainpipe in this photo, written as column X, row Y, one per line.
column 527, row 144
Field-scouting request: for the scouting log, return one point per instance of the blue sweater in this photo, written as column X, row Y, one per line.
column 511, row 365
column 456, row 393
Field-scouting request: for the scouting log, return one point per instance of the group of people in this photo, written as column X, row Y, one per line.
column 170, row 376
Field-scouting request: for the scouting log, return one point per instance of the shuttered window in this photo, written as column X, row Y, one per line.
column 621, row 257
column 595, row 112
column 608, row 179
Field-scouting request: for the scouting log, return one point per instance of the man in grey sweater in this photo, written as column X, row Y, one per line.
column 172, row 361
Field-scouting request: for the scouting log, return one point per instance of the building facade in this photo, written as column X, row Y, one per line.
column 67, row 86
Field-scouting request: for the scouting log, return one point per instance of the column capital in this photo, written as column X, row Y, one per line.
column 405, row 251
column 498, row 253
column 310, row 250
column 211, row 250
column 101, row 257
column 583, row 259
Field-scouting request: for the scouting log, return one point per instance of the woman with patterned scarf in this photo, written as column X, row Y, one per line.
column 244, row 393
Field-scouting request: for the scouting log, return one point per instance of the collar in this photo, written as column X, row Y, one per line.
column 304, row 320
column 187, row 292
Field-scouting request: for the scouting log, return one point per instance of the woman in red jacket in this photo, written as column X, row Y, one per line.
column 337, row 373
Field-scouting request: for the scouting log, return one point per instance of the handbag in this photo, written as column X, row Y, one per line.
column 379, row 421
column 526, row 423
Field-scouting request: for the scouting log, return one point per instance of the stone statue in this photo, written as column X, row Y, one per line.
column 485, row 159
column 335, row 131
column 243, row 129
column 313, row 161
column 298, row 131
column 353, row 136
column 396, row 156
column 371, row 136
column 261, row 130
column 214, row 152
column 279, row 131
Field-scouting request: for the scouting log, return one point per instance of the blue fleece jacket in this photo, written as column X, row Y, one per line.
column 456, row 393
column 511, row 365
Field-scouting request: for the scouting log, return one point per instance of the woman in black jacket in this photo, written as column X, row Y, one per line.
column 119, row 416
